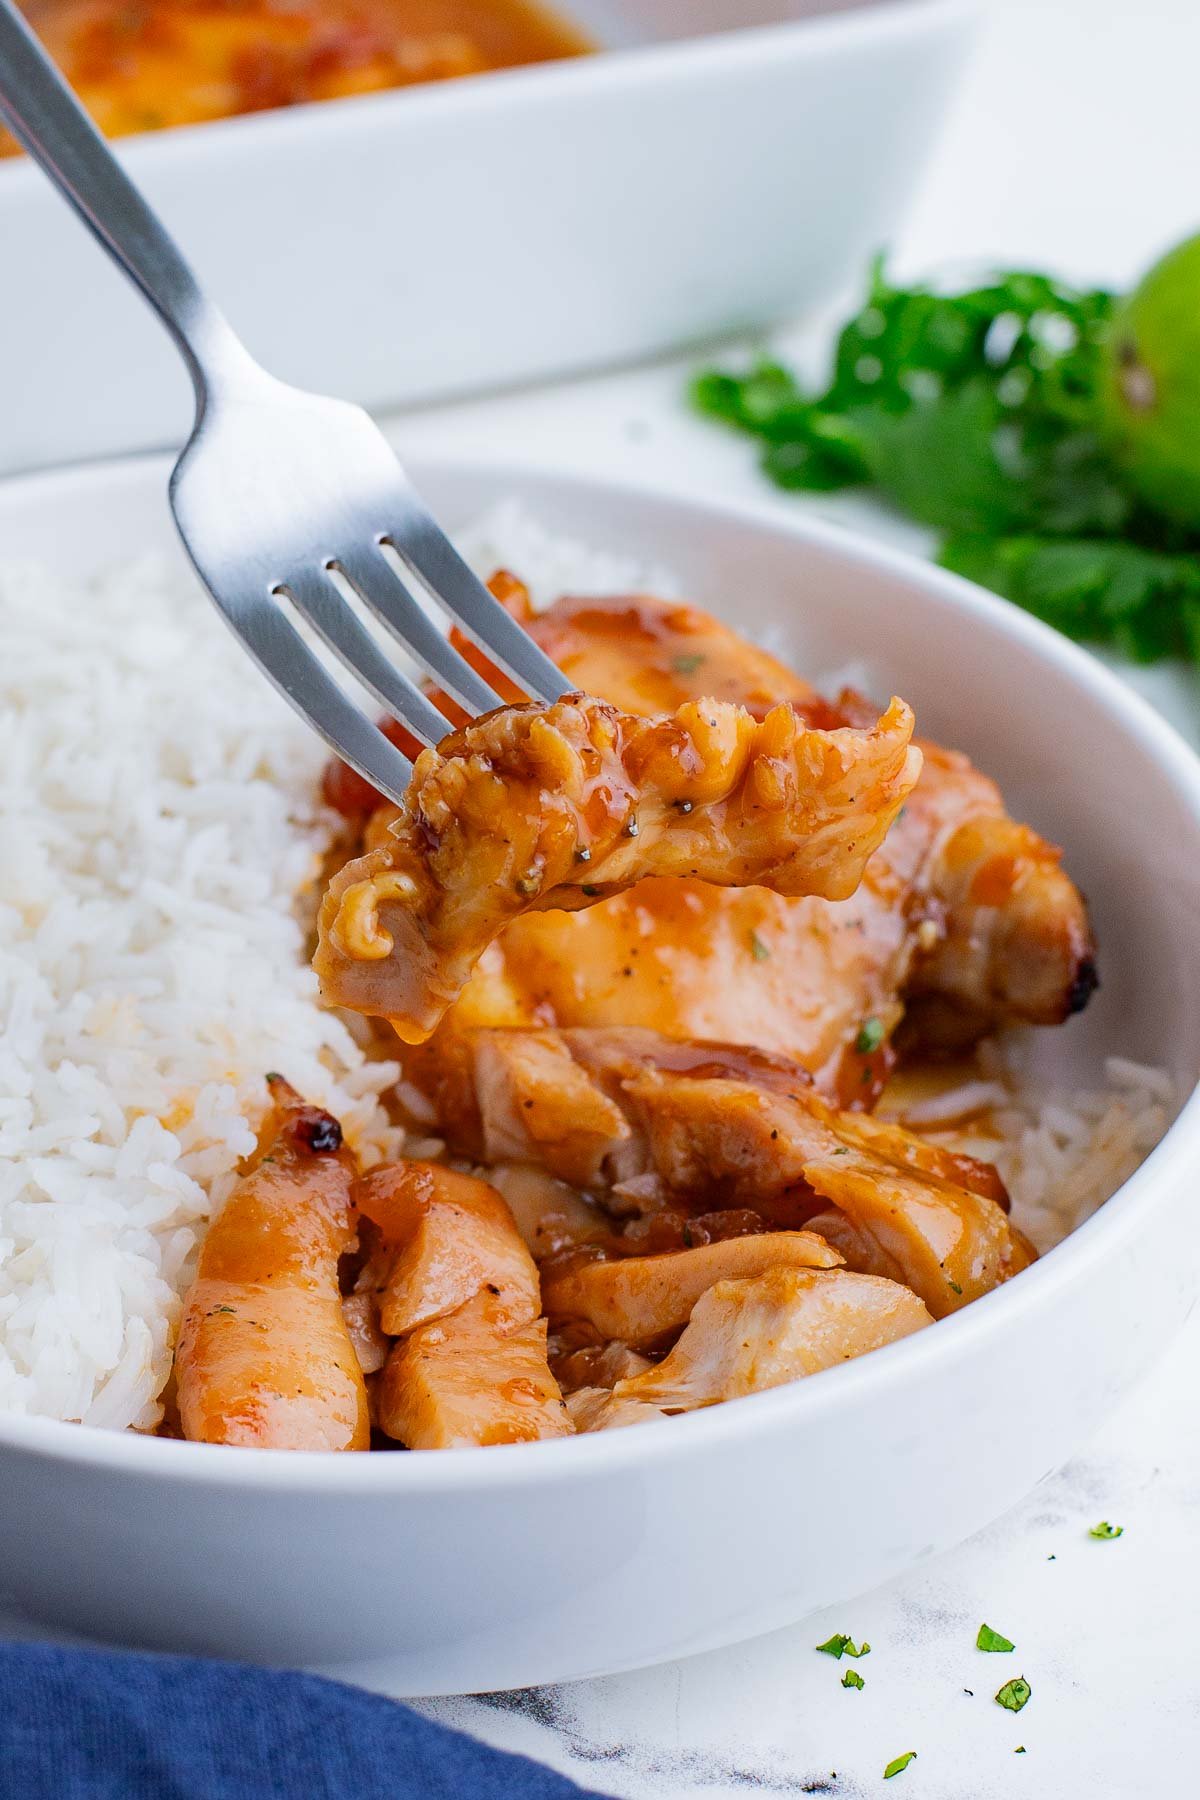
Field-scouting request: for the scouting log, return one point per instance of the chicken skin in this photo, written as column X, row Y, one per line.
column 533, row 807
column 264, row 1355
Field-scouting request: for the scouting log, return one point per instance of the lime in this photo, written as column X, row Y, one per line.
column 1150, row 386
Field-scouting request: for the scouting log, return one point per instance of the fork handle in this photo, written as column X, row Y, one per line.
column 43, row 113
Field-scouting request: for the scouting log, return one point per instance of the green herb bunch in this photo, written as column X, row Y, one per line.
column 979, row 413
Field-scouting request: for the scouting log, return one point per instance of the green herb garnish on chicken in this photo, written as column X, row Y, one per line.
column 1026, row 421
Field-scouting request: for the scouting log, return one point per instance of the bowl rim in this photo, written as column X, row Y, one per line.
column 323, row 124
column 229, row 1467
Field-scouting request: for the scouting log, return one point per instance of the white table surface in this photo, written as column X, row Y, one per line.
column 1075, row 143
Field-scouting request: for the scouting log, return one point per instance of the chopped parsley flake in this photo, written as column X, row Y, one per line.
column 590, row 890
column 992, row 1640
column 758, row 950
column 870, row 1036
column 852, row 1679
column 1020, row 1750
column 1014, row 1694
column 840, row 1645
column 898, row 1764
column 954, row 1287
column 686, row 665
column 1105, row 1530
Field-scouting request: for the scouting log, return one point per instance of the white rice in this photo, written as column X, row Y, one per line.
column 1061, row 1152
column 157, row 823
column 160, row 838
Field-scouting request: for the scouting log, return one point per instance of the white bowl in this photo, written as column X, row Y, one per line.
column 482, row 1569
column 490, row 230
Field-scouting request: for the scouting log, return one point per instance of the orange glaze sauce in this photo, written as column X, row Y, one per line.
column 141, row 65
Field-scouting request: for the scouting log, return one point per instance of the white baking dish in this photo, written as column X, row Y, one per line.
column 486, row 231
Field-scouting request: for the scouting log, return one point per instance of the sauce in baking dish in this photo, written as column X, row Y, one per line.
column 141, row 65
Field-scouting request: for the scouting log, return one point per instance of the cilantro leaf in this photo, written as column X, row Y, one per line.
column 977, row 413
column 971, row 411
column 1105, row 1530
column 898, row 1764
column 852, row 1679
column 1014, row 1694
column 840, row 1645
column 992, row 1640
column 870, row 1036
column 1143, row 603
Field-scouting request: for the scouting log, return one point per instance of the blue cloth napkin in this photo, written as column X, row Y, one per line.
column 90, row 1725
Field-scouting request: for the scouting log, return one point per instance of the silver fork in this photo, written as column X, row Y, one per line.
column 283, row 499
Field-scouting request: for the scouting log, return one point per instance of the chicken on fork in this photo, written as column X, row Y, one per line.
column 964, row 919
column 557, row 806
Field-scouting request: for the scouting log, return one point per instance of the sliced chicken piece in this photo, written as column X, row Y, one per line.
column 502, row 1105
column 759, row 1333
column 446, row 1237
column 471, row 1378
column 592, row 1366
column 599, row 1409
column 705, row 1126
column 534, row 807
column 372, row 1345
column 948, row 1246
column 558, row 1103
column 641, row 1300
column 550, row 1215
column 264, row 1355
column 457, row 1285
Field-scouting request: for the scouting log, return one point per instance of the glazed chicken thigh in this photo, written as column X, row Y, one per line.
column 556, row 806
column 964, row 919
